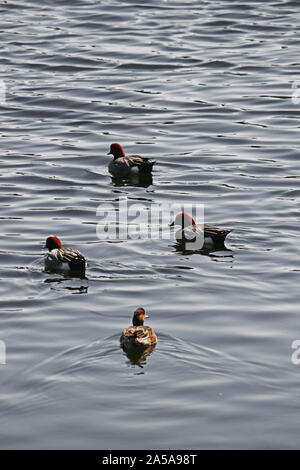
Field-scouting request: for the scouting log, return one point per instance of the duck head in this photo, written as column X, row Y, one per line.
column 116, row 150
column 139, row 317
column 53, row 242
column 183, row 219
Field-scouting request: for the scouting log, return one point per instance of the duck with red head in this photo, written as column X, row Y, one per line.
column 122, row 166
column 204, row 236
column 138, row 334
column 59, row 258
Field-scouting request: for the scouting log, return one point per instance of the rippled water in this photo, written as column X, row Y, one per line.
column 204, row 88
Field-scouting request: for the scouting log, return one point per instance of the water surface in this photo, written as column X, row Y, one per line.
column 204, row 88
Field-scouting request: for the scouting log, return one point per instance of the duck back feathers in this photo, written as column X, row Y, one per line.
column 70, row 256
column 138, row 336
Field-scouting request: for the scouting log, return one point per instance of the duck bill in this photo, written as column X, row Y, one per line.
column 109, row 153
column 172, row 224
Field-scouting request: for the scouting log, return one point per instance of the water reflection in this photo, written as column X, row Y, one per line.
column 139, row 180
column 67, row 274
column 137, row 354
column 180, row 247
column 79, row 289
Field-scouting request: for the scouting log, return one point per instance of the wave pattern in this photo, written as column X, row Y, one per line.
column 209, row 90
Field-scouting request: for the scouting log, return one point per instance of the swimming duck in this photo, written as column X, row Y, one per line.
column 63, row 258
column 138, row 334
column 206, row 235
column 122, row 166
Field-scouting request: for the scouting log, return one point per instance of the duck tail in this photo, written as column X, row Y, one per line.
column 78, row 264
column 224, row 234
column 146, row 167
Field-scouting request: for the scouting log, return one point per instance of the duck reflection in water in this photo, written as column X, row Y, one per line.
column 137, row 354
column 138, row 180
column 181, row 247
column 138, row 340
column 59, row 282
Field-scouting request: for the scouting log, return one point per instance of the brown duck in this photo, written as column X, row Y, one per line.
column 138, row 334
column 122, row 166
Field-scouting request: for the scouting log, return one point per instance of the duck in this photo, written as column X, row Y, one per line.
column 61, row 258
column 202, row 235
column 122, row 166
column 138, row 334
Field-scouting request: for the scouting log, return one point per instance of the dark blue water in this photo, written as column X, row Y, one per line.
column 208, row 89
